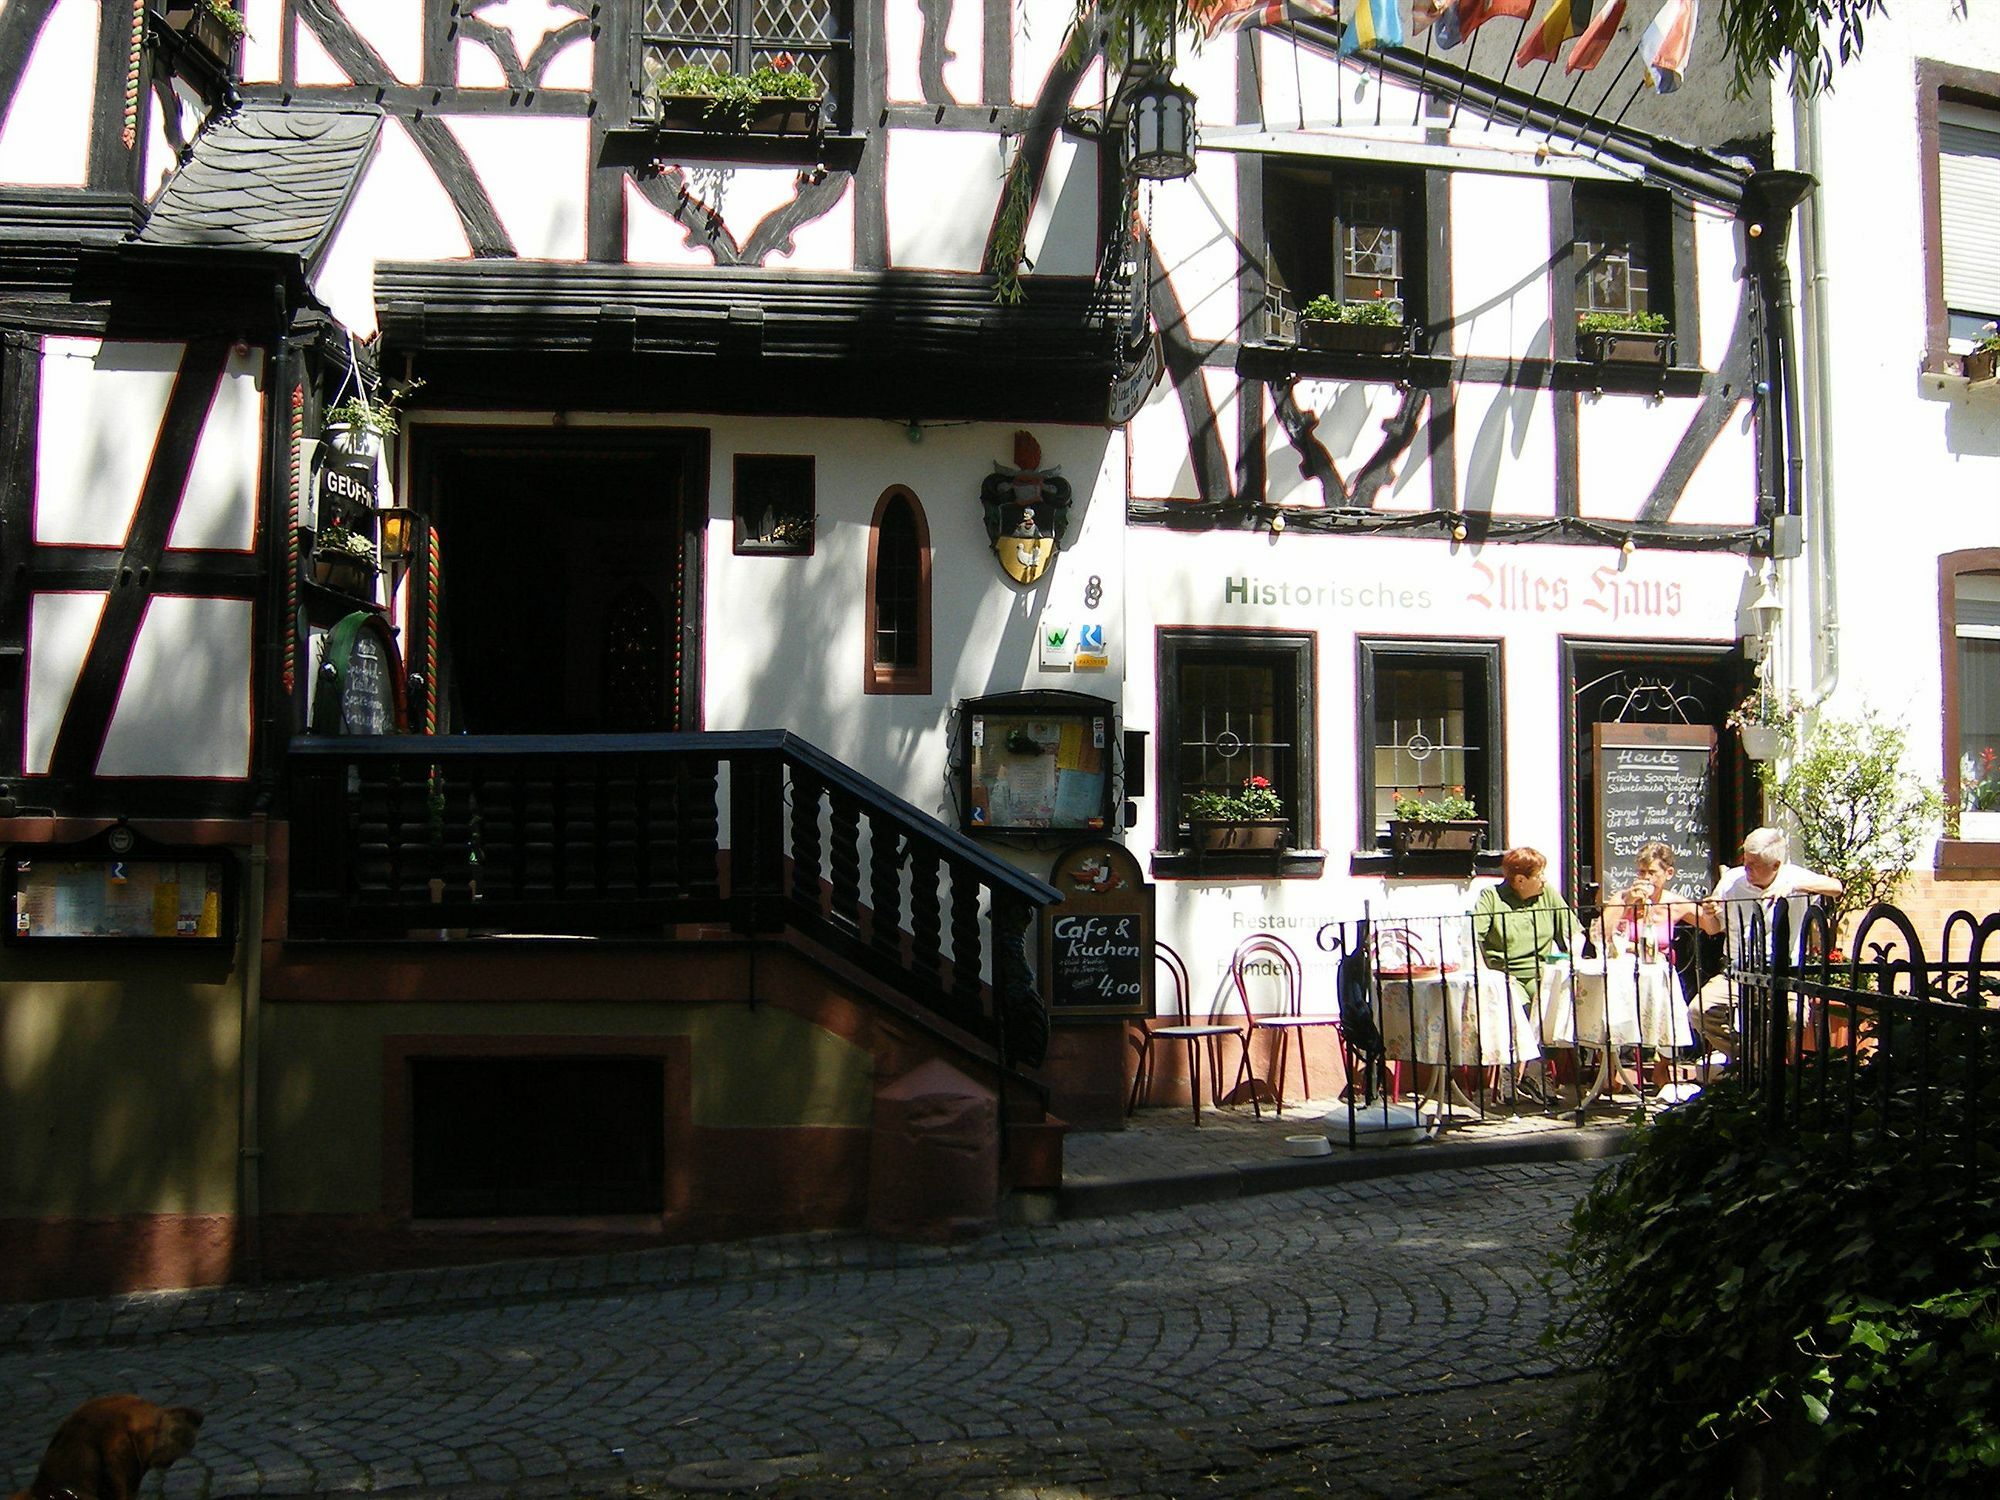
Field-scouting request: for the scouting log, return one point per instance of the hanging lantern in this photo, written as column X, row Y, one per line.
column 1163, row 130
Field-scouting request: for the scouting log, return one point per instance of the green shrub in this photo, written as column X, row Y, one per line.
column 1625, row 322
column 1777, row 1312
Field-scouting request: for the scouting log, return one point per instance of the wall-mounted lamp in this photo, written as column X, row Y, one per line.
column 1458, row 531
column 1277, row 523
column 1763, row 610
column 1628, row 546
column 398, row 539
column 1163, row 130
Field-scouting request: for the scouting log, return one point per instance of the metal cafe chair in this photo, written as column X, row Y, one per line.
column 1199, row 1036
column 1288, row 1021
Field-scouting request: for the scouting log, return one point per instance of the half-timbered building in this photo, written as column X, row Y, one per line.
column 589, row 818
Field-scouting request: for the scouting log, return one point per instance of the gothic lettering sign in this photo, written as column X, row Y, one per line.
column 344, row 487
column 1097, row 943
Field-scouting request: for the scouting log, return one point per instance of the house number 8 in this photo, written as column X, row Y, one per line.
column 1093, row 592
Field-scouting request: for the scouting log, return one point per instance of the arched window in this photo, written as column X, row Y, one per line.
column 899, row 596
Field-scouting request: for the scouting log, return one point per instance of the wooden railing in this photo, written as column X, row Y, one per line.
column 631, row 835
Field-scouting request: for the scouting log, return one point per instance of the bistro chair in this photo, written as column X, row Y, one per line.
column 1291, row 1019
column 1198, row 1036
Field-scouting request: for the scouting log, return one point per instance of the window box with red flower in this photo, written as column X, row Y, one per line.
column 1252, row 819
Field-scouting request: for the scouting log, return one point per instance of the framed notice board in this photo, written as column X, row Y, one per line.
column 119, row 888
column 1655, row 782
column 1035, row 763
column 1097, row 943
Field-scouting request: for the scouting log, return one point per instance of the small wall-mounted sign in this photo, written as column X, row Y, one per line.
column 1092, row 654
column 1097, row 943
column 1058, row 645
column 344, row 487
column 359, row 689
column 97, row 891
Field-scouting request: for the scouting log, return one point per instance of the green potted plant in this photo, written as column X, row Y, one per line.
column 344, row 560
column 358, row 425
column 1444, row 822
column 1371, row 327
column 1764, row 721
column 1627, row 338
column 1982, row 365
column 777, row 98
column 1250, row 818
column 213, row 26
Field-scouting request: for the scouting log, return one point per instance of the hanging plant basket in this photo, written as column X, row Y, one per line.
column 352, row 441
column 1762, row 741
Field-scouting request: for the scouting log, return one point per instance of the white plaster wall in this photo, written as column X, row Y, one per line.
column 1719, row 285
column 1528, row 597
column 943, row 190
column 964, row 51
column 746, row 195
column 311, row 62
column 1192, row 223
column 218, row 510
column 45, row 141
column 1623, row 443
column 534, row 172
column 1040, row 27
column 400, row 212
column 263, row 40
column 1062, row 231
column 60, row 627
column 395, row 29
column 161, row 158
column 101, row 405
column 184, row 706
column 1506, row 449
column 784, row 640
column 1499, row 266
column 1916, row 458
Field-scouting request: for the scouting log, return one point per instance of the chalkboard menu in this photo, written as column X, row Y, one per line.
column 1097, row 943
column 359, row 687
column 1654, row 784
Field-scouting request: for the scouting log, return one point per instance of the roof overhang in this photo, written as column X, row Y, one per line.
column 897, row 344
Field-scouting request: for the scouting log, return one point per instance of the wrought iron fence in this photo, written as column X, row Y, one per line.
column 1880, row 1044
column 1460, row 1015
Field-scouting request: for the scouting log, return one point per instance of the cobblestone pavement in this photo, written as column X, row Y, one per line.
column 1376, row 1336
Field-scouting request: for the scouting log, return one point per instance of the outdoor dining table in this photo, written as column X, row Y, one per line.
column 1610, row 1004
column 1460, row 1016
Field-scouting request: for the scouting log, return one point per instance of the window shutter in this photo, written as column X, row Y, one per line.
column 1969, row 183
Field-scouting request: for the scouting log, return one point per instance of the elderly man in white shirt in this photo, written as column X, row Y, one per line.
column 1763, row 879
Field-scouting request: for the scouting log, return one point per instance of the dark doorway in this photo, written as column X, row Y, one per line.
column 1613, row 684
column 569, row 583
column 535, row 1137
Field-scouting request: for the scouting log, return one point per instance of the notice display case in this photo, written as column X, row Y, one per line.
column 1032, row 763
column 119, row 888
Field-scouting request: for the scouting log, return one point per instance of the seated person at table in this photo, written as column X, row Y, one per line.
column 1515, row 923
column 1670, row 907
column 1764, row 877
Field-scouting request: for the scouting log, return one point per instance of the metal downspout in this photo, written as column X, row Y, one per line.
column 250, row 1144
column 1822, row 583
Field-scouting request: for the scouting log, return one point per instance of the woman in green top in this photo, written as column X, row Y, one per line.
column 1521, row 919
column 1517, row 923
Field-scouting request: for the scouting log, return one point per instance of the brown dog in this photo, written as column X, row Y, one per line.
column 103, row 1449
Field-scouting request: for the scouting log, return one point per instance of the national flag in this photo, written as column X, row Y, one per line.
column 1597, row 36
column 1458, row 19
column 1376, row 23
column 1240, row 15
column 1666, row 43
column 1563, row 20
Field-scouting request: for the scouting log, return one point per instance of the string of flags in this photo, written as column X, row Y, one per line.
column 1591, row 25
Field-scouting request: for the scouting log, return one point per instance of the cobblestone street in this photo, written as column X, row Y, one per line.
column 1377, row 1337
